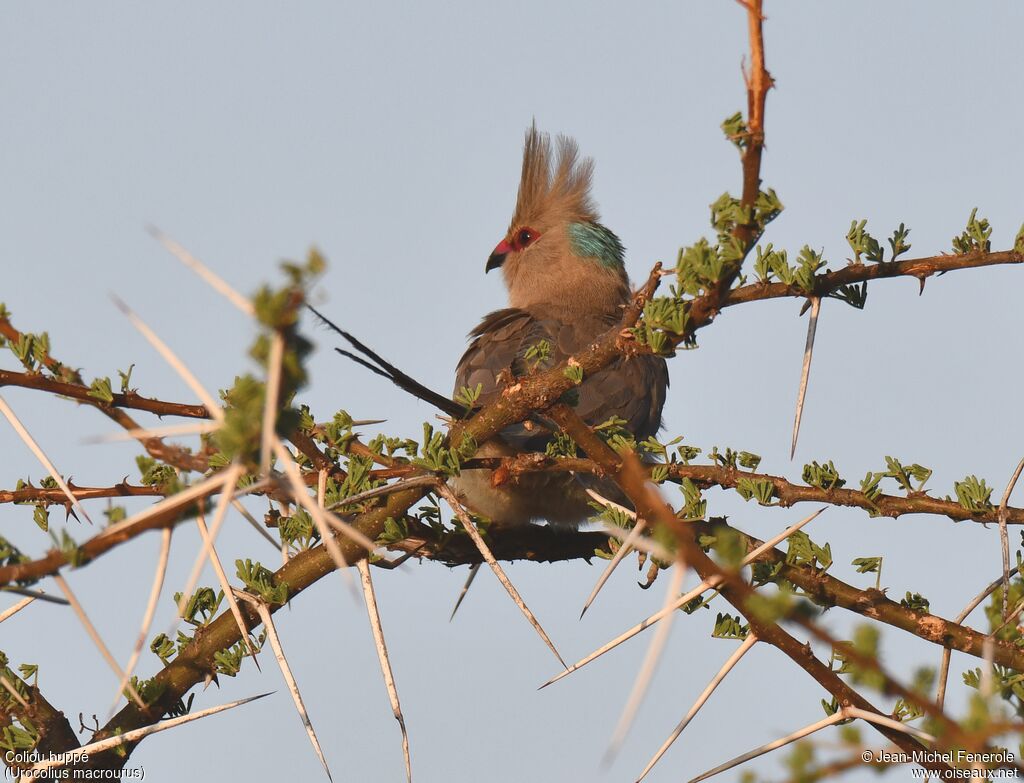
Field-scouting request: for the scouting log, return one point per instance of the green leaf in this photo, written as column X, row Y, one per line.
column 729, row 627
column 822, row 476
column 898, row 242
column 915, row 602
column 260, row 581
column 761, row 490
column 467, row 396
column 863, row 244
column 973, row 494
column 126, row 378
column 736, row 131
column 100, row 389
column 573, row 371
column 867, row 565
column 975, row 237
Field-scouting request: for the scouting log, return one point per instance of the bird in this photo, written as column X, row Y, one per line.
column 567, row 283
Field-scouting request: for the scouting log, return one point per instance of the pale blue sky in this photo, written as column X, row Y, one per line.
column 389, row 135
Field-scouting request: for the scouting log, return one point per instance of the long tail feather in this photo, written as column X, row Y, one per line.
column 382, row 367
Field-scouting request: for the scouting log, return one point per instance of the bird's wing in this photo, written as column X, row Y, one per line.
column 633, row 389
column 498, row 345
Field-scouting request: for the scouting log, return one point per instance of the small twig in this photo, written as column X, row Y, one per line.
column 197, row 266
column 286, row 671
column 640, row 543
column 463, row 516
column 13, row 610
column 701, row 700
column 473, row 571
column 805, row 372
column 94, row 635
column 74, row 756
column 385, row 662
column 882, row 720
column 171, row 358
column 253, row 522
column 1004, row 537
column 225, row 584
column 699, row 590
column 270, row 406
column 946, row 653
column 647, row 668
column 38, row 594
column 831, row 720
column 41, row 456
column 387, row 489
column 227, row 480
column 136, row 433
column 147, row 617
column 302, row 497
column 624, row 549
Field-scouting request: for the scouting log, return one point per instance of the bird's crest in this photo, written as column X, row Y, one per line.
column 555, row 185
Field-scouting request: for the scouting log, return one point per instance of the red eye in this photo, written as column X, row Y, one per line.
column 523, row 238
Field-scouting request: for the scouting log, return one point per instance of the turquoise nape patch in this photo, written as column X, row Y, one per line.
column 592, row 240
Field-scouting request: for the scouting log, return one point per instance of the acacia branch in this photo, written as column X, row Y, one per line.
column 82, row 393
column 830, row 282
column 56, row 496
column 785, row 492
column 193, row 664
column 828, row 591
column 631, row 478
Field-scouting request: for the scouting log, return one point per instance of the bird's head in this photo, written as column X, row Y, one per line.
column 557, row 258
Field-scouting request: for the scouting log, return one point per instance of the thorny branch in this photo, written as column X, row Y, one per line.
column 538, row 392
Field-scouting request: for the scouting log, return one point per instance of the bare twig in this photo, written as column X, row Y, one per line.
column 624, row 549
column 197, row 266
column 679, row 602
column 882, row 720
column 137, row 433
column 172, row 359
column 147, row 617
column 382, row 655
column 94, row 635
column 320, row 515
column 286, row 672
column 647, row 668
column 270, row 406
column 13, row 610
column 1003, row 534
column 209, row 546
column 132, row 736
column 474, row 569
column 41, row 456
column 166, row 512
column 253, row 522
column 37, row 594
column 463, row 516
column 831, row 720
column 387, row 489
column 227, row 480
column 701, row 700
column 805, row 372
